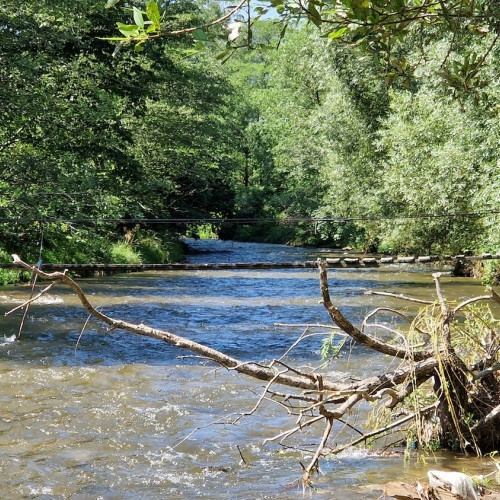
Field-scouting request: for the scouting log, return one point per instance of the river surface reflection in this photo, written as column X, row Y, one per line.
column 112, row 416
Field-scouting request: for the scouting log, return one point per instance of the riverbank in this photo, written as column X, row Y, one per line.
column 137, row 246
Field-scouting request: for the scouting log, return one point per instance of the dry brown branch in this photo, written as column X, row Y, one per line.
column 393, row 311
column 32, row 299
column 289, row 432
column 383, row 430
column 300, row 380
column 302, row 337
column 485, row 373
column 488, row 421
column 314, row 463
column 320, row 399
column 400, row 297
column 367, row 340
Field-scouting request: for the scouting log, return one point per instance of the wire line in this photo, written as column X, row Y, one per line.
column 249, row 220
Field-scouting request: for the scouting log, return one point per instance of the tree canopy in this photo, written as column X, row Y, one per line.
column 340, row 114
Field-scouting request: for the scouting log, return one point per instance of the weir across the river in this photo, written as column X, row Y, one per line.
column 344, row 261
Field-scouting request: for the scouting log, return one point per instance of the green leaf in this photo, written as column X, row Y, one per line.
column 338, row 33
column 222, row 55
column 153, row 13
column 200, row 35
column 139, row 47
column 314, row 15
column 138, row 18
column 128, row 30
column 111, row 3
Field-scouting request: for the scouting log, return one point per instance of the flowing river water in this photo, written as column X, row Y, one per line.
column 112, row 416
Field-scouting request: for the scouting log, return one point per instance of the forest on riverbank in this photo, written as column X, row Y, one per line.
column 187, row 127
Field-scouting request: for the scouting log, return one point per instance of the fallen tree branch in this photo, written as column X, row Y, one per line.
column 32, row 299
column 486, row 372
column 400, row 297
column 382, row 430
column 367, row 340
column 300, row 381
column 325, row 400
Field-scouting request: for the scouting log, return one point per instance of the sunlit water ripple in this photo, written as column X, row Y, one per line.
column 113, row 417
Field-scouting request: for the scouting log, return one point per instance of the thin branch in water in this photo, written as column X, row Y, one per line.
column 81, row 333
column 32, row 299
column 393, row 311
column 400, row 297
column 313, row 464
column 289, row 432
column 302, row 337
column 309, row 325
column 241, row 456
column 254, row 409
column 221, row 420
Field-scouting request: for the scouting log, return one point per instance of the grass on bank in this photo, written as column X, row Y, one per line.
column 135, row 247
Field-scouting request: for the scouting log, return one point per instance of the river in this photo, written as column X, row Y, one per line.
column 111, row 415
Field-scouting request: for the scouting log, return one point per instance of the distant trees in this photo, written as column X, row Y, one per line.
column 86, row 135
column 317, row 128
column 344, row 145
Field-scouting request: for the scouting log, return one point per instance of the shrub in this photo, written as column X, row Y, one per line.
column 124, row 253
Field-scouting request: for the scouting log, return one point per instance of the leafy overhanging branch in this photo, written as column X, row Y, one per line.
column 148, row 25
column 381, row 28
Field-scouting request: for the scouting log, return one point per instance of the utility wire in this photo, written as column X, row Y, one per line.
column 250, row 220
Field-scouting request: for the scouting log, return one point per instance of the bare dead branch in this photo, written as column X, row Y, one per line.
column 367, row 340
column 289, row 432
column 400, row 297
column 384, row 309
column 308, row 325
column 486, row 372
column 302, row 337
column 489, row 420
column 439, row 292
column 254, row 409
column 32, row 299
column 81, row 332
column 393, row 311
column 313, row 464
column 301, row 381
column 382, row 430
column 471, row 301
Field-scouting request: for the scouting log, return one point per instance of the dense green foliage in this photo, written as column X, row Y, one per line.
column 88, row 135
column 343, row 145
column 92, row 130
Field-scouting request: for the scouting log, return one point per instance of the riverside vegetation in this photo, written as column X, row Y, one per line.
column 189, row 126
